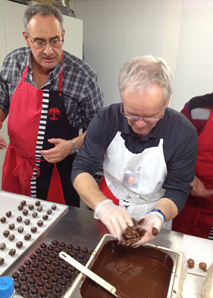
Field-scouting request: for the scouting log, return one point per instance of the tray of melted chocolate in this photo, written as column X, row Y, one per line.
column 146, row 271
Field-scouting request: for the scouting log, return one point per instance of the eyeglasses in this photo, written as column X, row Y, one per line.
column 136, row 118
column 41, row 44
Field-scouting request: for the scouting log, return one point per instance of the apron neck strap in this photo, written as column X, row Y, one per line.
column 61, row 74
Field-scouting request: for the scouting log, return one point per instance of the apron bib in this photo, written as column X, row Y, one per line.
column 134, row 181
column 196, row 218
column 30, row 123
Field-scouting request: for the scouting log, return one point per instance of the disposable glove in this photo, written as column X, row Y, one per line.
column 115, row 218
column 152, row 223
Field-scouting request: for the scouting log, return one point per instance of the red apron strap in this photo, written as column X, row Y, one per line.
column 61, row 74
column 55, row 192
column 107, row 192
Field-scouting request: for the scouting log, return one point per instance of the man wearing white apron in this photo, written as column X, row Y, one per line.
column 148, row 152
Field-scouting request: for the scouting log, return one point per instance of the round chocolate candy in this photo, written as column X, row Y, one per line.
column 203, row 266
column 43, row 267
column 20, row 207
column 63, row 282
column 19, row 244
column 2, row 246
column 40, row 223
column 35, row 264
column 190, row 263
column 54, row 207
column 27, row 263
column 3, row 219
column 52, row 295
column 34, row 291
column 27, row 221
column 43, row 293
column 50, row 247
column 49, row 211
column 20, row 229
column 40, row 283
column 32, row 280
column 29, row 271
column 21, row 269
column 9, row 213
column 45, row 217
column 38, row 251
column 15, row 275
column 27, row 237
column 25, row 212
column 37, row 273
column 1, row 261
column 11, row 237
column 11, row 226
column 23, row 203
column 49, row 286
column 33, row 257
column 45, row 276
column 19, row 219
column 58, row 289
column 55, row 242
column 43, row 245
column 23, row 277
column 39, row 209
column 31, row 207
column 54, row 279
column 34, row 214
column 12, row 252
column 17, row 285
column 84, row 250
column 33, row 229
column 37, row 203
column 25, row 288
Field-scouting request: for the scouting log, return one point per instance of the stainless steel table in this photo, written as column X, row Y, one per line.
column 80, row 228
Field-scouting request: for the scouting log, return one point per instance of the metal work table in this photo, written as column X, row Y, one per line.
column 79, row 227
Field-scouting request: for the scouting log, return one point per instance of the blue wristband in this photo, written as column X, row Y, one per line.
column 159, row 211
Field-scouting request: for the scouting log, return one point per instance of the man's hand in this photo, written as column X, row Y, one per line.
column 61, row 150
column 115, row 218
column 152, row 223
column 199, row 190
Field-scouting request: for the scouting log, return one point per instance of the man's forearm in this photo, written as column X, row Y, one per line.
column 88, row 190
column 169, row 208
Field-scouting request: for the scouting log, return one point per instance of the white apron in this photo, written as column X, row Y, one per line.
column 135, row 179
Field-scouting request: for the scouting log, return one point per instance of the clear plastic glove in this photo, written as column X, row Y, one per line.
column 115, row 218
column 152, row 223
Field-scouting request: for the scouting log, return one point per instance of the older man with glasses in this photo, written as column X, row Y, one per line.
column 49, row 95
column 140, row 137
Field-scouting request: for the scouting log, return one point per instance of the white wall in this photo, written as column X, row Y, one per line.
column 180, row 31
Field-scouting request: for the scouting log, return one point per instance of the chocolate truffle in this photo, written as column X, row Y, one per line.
column 39, row 209
column 34, row 291
column 32, row 280
column 27, row 237
column 23, row 277
column 203, row 266
column 37, row 203
column 49, row 211
column 190, row 263
column 43, row 293
column 55, row 242
column 54, row 279
column 19, row 244
column 54, row 207
column 17, row 285
column 11, row 237
column 12, row 252
column 15, row 275
column 45, row 217
column 19, row 219
column 25, row 212
column 11, row 226
column 27, row 221
column 31, row 207
column 40, row 223
column 34, row 214
column 6, row 233
column 9, row 213
column 2, row 246
column 23, row 203
column 20, row 229
column 29, row 271
column 21, row 269
column 33, row 229
column 20, row 207
column 3, row 219
column 37, row 273
column 1, row 261
column 25, row 288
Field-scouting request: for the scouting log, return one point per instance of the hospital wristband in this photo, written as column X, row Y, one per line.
column 159, row 211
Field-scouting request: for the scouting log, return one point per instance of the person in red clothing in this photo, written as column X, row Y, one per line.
column 48, row 95
column 196, row 218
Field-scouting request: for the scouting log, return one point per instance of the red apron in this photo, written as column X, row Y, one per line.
column 196, row 218
column 23, row 126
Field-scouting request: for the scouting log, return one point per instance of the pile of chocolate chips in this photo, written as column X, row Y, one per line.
column 132, row 234
column 45, row 274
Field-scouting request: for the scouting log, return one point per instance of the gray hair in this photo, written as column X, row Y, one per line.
column 139, row 73
column 44, row 10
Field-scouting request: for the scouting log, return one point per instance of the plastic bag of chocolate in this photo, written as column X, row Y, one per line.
column 132, row 234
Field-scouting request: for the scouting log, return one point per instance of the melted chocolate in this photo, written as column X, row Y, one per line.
column 135, row 272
